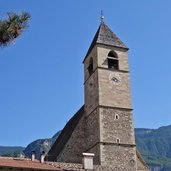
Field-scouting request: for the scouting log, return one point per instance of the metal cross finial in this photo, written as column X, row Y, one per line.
column 102, row 16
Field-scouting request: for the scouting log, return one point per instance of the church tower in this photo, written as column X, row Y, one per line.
column 108, row 109
column 104, row 124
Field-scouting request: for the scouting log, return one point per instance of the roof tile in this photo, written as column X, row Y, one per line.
column 25, row 164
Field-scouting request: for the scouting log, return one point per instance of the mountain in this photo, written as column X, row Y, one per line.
column 155, row 147
column 153, row 144
column 11, row 151
column 40, row 145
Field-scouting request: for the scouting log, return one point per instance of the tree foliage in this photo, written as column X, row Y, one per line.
column 155, row 146
column 12, row 27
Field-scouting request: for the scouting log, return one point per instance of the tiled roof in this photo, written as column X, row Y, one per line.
column 64, row 136
column 25, row 164
column 104, row 35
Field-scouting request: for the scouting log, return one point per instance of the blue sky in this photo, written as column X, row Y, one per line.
column 41, row 74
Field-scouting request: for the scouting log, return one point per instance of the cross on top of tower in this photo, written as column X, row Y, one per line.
column 102, row 16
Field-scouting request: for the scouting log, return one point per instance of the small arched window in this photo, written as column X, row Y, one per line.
column 113, row 62
column 118, row 140
column 116, row 117
column 90, row 67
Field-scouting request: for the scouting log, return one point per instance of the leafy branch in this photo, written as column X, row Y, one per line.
column 12, row 27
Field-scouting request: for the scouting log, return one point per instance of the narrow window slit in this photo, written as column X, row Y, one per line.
column 90, row 67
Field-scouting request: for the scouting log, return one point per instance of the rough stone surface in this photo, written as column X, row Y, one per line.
column 122, row 54
column 111, row 93
column 93, row 55
column 119, row 157
column 112, row 129
column 91, row 93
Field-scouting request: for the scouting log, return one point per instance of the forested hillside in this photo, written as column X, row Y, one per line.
column 155, row 146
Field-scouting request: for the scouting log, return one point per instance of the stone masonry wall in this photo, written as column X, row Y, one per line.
column 91, row 93
column 117, row 139
column 120, row 158
column 111, row 93
column 102, row 53
column 93, row 55
column 116, row 124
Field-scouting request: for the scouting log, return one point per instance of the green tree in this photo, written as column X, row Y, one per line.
column 12, row 27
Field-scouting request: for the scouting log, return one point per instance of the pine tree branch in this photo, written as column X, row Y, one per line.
column 12, row 27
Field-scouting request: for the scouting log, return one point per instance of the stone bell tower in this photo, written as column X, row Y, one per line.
column 108, row 108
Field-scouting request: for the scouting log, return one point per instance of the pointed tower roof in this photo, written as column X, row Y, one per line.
column 104, row 35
